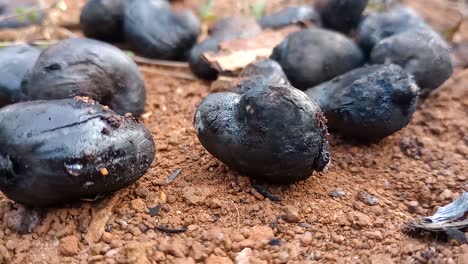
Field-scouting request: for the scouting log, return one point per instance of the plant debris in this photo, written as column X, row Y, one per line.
column 173, row 176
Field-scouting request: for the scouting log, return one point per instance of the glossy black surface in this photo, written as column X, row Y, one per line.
column 58, row 151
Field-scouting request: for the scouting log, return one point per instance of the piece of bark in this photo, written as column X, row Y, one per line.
column 234, row 55
column 101, row 214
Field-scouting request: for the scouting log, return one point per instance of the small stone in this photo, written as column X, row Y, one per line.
column 337, row 193
column 413, row 206
column 446, row 195
column 4, row 255
column 107, row 237
column 374, row 235
column 10, row 244
column 368, row 199
column 463, row 258
column 23, row 246
column 138, row 205
column 171, row 199
column 381, row 259
column 377, row 210
column 218, row 260
column 261, row 233
column 307, row 238
column 245, row 256
column 283, row 257
column 337, row 238
column 69, row 246
column 292, row 215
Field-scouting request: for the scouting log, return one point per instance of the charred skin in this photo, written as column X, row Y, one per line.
column 312, row 56
column 154, row 30
column 291, row 15
column 420, row 52
column 341, row 15
column 15, row 63
column 86, row 67
column 272, row 133
column 234, row 27
column 58, row 151
column 267, row 71
column 368, row 103
column 103, row 20
column 378, row 26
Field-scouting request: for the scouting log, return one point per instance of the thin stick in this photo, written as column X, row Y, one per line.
column 238, row 215
column 179, row 75
column 32, row 43
column 30, row 11
column 167, row 63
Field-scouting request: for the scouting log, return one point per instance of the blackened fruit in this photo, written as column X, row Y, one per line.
column 154, row 30
column 267, row 71
column 377, row 26
column 103, row 19
column 15, row 63
column 368, row 103
column 340, row 15
column 290, row 15
column 59, row 151
column 312, row 56
column 228, row 28
column 421, row 52
column 15, row 10
column 273, row 133
column 87, row 67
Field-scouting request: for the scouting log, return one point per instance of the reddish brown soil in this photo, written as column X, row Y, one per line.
column 410, row 174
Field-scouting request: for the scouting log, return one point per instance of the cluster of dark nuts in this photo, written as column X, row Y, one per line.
column 150, row 27
column 367, row 89
column 58, row 141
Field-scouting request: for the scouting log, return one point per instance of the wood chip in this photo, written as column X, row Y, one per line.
column 100, row 216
